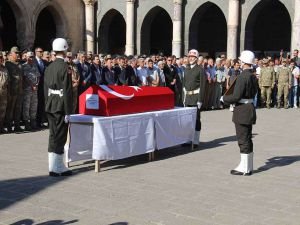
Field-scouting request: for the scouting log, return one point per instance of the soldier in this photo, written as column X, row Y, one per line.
column 266, row 82
column 4, row 81
column 244, row 115
column 31, row 77
column 194, row 84
column 284, row 77
column 58, row 106
column 14, row 106
column 73, row 71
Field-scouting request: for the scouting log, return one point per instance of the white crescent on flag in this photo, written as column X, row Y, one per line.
column 124, row 97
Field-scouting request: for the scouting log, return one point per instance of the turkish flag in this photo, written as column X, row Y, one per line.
column 105, row 100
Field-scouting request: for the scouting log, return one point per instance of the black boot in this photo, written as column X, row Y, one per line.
column 33, row 125
column 27, row 125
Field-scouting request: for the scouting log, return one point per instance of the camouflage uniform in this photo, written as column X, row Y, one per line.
column 266, row 84
column 284, row 77
column 73, row 71
column 14, row 105
column 31, row 77
column 4, row 80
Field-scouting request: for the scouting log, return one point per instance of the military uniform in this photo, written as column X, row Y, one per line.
column 58, row 103
column 31, row 78
column 14, row 106
column 194, row 83
column 266, row 84
column 4, row 81
column 244, row 116
column 284, row 77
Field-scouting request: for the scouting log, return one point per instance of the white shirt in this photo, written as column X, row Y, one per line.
column 142, row 73
column 295, row 72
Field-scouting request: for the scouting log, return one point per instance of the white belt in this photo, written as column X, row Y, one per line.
column 246, row 101
column 55, row 92
column 197, row 91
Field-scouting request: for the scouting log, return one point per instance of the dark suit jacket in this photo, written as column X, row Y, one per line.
column 170, row 75
column 97, row 75
column 245, row 88
column 56, row 78
column 194, row 78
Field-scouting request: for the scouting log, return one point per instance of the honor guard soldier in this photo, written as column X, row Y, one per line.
column 58, row 106
column 244, row 115
column 266, row 82
column 194, row 85
column 284, row 78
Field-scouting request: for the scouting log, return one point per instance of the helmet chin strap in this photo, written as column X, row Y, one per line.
column 193, row 62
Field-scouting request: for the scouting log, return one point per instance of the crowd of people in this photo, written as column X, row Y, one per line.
column 22, row 80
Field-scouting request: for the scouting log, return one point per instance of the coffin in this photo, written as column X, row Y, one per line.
column 105, row 100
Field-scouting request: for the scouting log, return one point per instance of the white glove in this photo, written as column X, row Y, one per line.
column 221, row 99
column 67, row 118
column 199, row 104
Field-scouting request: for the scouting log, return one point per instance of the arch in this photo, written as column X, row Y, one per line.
column 112, row 33
column 45, row 29
column 268, row 27
column 8, row 25
column 157, row 32
column 208, row 30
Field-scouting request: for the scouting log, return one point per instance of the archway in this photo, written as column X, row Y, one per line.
column 45, row 29
column 112, row 33
column 8, row 28
column 268, row 27
column 208, row 30
column 157, row 32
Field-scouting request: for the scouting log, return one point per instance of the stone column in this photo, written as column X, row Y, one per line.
column 177, row 28
column 296, row 28
column 232, row 28
column 129, row 27
column 89, row 24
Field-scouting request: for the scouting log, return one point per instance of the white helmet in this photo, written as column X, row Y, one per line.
column 194, row 53
column 60, row 45
column 247, row 57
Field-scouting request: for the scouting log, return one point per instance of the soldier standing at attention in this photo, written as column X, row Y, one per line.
column 194, row 84
column 31, row 78
column 14, row 105
column 266, row 82
column 284, row 77
column 244, row 115
column 4, row 80
column 58, row 106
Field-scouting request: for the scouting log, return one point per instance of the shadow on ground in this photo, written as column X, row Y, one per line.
column 51, row 222
column 278, row 161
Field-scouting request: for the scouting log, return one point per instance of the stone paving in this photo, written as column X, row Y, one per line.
column 181, row 187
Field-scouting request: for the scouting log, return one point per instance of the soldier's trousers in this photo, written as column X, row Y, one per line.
column 30, row 102
column 58, row 131
column 283, row 89
column 266, row 93
column 13, row 110
column 3, row 105
column 244, row 138
column 198, row 118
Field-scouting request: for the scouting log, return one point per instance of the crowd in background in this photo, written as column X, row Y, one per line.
column 22, row 92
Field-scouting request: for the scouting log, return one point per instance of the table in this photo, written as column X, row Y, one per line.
column 118, row 137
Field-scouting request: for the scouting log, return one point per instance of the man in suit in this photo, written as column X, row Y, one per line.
column 194, row 84
column 170, row 75
column 244, row 115
column 84, row 71
column 41, row 65
column 58, row 106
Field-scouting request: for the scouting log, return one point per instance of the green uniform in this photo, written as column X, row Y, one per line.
column 14, row 106
column 284, row 77
column 266, row 83
column 58, row 103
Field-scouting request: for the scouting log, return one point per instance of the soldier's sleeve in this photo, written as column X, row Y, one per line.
column 277, row 74
column 237, row 92
column 46, row 84
column 290, row 78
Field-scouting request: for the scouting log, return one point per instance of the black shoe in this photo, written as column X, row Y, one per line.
column 67, row 173
column 53, row 174
column 195, row 146
column 186, row 144
column 18, row 129
column 235, row 172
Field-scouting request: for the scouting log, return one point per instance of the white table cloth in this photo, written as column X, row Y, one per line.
column 117, row 137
